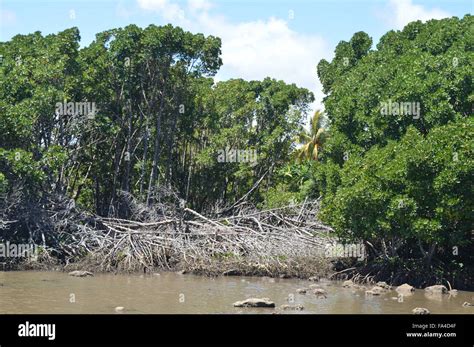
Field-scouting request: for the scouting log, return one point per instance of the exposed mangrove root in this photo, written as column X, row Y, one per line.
column 288, row 241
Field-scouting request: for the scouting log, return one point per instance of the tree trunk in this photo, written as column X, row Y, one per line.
column 156, row 154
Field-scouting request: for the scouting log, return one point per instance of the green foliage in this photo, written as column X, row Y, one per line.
column 415, row 189
column 3, row 183
column 279, row 196
column 402, row 183
column 428, row 63
column 295, row 184
column 261, row 117
column 18, row 166
column 36, row 73
column 159, row 121
column 311, row 140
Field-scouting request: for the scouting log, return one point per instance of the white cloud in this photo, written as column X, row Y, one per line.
column 199, row 5
column 402, row 12
column 254, row 50
column 165, row 8
column 269, row 48
column 122, row 11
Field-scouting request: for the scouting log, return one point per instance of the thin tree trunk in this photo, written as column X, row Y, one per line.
column 128, row 152
column 170, row 143
column 156, row 154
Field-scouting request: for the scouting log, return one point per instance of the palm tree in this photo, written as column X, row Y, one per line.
column 311, row 140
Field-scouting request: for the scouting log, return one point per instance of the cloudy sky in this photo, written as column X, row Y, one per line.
column 283, row 39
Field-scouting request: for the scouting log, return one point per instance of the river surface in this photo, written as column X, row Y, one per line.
column 56, row 292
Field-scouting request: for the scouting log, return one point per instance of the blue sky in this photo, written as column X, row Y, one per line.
column 283, row 39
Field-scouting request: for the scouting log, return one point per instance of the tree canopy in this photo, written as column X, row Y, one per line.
column 402, row 181
column 135, row 111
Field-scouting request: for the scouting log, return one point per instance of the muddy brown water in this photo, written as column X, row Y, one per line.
column 55, row 292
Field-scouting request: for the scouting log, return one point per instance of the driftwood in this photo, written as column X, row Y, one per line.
column 269, row 240
column 168, row 235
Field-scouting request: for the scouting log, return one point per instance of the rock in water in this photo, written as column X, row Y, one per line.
column 255, row 302
column 119, row 309
column 348, row 284
column 232, row 272
column 420, row 310
column 467, row 304
column 384, row 285
column 79, row 273
column 375, row 291
column 405, row 289
column 313, row 279
column 301, row 290
column 437, row 289
column 319, row 291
